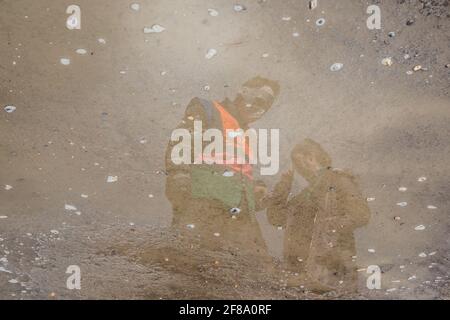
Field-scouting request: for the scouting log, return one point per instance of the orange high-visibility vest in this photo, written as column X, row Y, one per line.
column 230, row 123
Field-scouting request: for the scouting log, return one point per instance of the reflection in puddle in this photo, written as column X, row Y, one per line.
column 214, row 205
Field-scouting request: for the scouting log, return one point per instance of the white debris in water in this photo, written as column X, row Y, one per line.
column 70, row 207
column 371, row 250
column 228, row 173
column 387, row 62
column 9, row 109
column 239, row 8
column 13, row 281
column 111, row 179
column 211, row 53
column 265, row 55
column 391, row 290
column 422, row 179
column 370, row 199
column 81, row 51
column 235, row 211
column 336, row 66
column 65, row 61
column 286, row 18
column 431, row 207
column 412, row 278
column 101, row 41
column 135, row 6
column 156, row 28
column 151, row 196
column 432, row 253
column 190, row 226
column 402, row 189
column 320, row 22
column 420, row 228
column 3, row 217
column 296, row 34
column 213, row 13
column 216, row 234
column 8, row 187
column 54, row 231
column 2, row 269
column 423, row 255
column 143, row 141
column 402, row 204
column 84, row 195
column 206, row 88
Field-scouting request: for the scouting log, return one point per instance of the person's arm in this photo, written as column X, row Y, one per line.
column 277, row 201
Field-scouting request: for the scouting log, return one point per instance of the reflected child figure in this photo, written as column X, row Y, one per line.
column 319, row 244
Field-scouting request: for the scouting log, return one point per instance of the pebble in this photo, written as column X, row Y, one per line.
column 320, row 22
column 213, row 13
column 417, row 68
column 81, row 51
column 431, row 207
column 65, row 61
column 190, row 226
column 54, row 231
column 9, row 109
column 13, row 281
column 402, row 204
column 336, row 66
column 70, row 207
column 84, row 196
column 111, row 179
column 135, row 6
column 211, row 53
column 8, row 187
column 156, row 28
column 423, row 255
column 422, row 179
column 371, row 250
column 370, row 199
column 3, row 217
column 402, row 189
column 420, row 228
column 387, row 62
column 101, row 41
column 239, row 8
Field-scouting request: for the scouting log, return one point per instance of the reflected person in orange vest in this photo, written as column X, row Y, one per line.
column 216, row 204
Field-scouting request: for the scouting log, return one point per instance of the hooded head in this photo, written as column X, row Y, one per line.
column 309, row 159
column 255, row 98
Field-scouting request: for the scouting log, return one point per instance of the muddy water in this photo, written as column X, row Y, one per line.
column 363, row 177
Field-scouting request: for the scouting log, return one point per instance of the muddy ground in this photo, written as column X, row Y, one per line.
column 111, row 111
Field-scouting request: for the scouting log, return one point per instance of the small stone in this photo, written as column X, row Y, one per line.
column 213, row 13
column 3, row 217
column 387, row 62
column 397, row 218
column 402, row 204
column 81, row 51
column 422, row 179
column 8, row 187
column 9, row 109
column 65, row 61
column 135, row 6
column 402, row 189
column 410, row 22
column 431, row 207
column 370, row 199
column 190, row 226
column 239, row 8
column 54, row 231
column 420, row 228
column 235, row 211
column 423, row 255
column 320, row 22
column 371, row 250
column 216, row 234
column 70, row 207
column 211, row 53
column 156, row 28
column 312, row 4
column 111, row 179
column 417, row 68
column 101, row 41
column 336, row 66
column 13, row 281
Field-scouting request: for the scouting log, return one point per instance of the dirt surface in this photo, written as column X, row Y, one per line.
column 110, row 112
